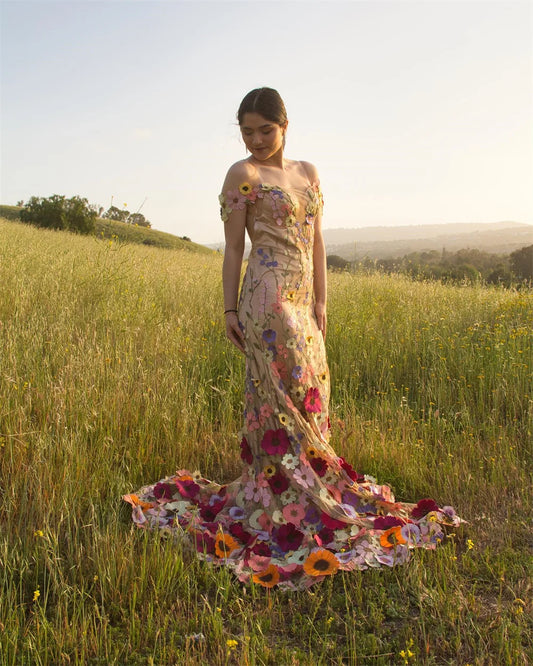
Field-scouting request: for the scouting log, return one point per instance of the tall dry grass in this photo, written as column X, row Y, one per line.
column 114, row 371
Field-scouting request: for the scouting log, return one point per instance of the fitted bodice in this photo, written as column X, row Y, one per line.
column 277, row 218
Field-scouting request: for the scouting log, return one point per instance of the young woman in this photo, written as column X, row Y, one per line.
column 298, row 512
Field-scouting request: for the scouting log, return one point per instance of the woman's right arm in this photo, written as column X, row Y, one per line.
column 234, row 231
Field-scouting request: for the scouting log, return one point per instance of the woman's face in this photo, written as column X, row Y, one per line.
column 262, row 137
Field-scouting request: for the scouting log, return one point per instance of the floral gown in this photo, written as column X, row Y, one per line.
column 298, row 512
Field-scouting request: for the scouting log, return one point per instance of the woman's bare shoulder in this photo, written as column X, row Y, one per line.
column 240, row 171
column 311, row 171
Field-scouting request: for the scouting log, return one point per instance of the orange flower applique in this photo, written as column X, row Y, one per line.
column 321, row 563
column 135, row 501
column 267, row 578
column 392, row 537
column 225, row 544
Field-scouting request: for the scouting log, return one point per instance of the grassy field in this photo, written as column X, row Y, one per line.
column 114, row 371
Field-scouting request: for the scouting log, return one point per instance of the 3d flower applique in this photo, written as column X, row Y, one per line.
column 283, row 206
column 267, row 578
column 275, row 442
column 278, row 483
column 269, row 336
column 315, row 203
column 304, row 477
column 289, row 537
column 245, row 188
column 225, row 545
column 288, row 497
column 294, row 513
column 319, row 465
column 312, row 401
column 232, row 200
column 392, row 537
column 289, row 461
column 269, row 471
column 424, row 507
column 321, row 563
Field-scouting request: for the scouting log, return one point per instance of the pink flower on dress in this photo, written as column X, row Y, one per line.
column 275, row 442
column 279, row 369
column 304, row 476
column 293, row 513
column 266, row 411
column 262, row 496
column 251, row 422
column 277, row 307
column 312, row 401
column 250, row 489
column 235, row 200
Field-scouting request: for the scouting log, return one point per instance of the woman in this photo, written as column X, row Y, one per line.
column 298, row 512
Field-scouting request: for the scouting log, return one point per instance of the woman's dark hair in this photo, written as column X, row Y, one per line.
column 265, row 101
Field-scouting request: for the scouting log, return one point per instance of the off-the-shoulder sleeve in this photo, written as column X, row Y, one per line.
column 319, row 197
column 236, row 199
column 316, row 203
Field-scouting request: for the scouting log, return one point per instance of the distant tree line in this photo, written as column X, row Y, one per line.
column 123, row 215
column 74, row 214
column 469, row 265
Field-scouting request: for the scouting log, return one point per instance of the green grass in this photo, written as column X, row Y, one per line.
column 115, row 371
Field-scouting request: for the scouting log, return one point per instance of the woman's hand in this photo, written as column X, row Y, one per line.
column 321, row 318
column 233, row 330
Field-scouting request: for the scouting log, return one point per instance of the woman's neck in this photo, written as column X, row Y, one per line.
column 276, row 161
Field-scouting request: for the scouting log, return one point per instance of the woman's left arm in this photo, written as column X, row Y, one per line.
column 320, row 273
column 320, row 276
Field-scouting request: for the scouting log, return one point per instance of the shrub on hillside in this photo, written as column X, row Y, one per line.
column 136, row 219
column 58, row 212
column 522, row 262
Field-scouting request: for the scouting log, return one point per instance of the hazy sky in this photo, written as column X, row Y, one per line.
column 414, row 112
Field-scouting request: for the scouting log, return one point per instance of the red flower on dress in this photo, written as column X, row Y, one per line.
column 289, row 537
column 261, row 548
column 331, row 523
column 279, row 483
column 236, row 530
column 354, row 476
column 188, row 488
column 325, row 536
column 246, row 451
column 209, row 513
column 204, row 542
column 423, row 507
column 164, row 490
column 319, row 465
column 312, row 401
column 275, row 442
column 386, row 522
